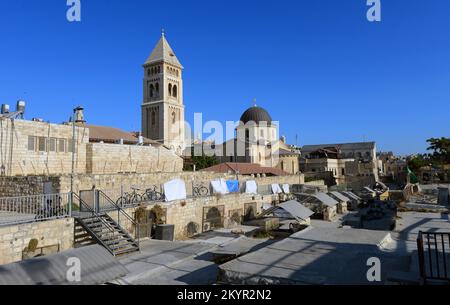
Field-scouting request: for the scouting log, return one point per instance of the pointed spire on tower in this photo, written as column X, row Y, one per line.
column 163, row 53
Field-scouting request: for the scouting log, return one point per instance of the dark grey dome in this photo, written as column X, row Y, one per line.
column 256, row 114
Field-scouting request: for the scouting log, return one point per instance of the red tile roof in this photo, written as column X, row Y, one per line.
column 245, row 169
column 112, row 135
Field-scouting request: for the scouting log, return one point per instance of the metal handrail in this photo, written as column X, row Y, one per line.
column 98, row 217
column 121, row 211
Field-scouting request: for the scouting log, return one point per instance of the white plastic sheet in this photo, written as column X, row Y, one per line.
column 276, row 189
column 286, row 189
column 219, row 186
column 251, row 187
column 175, row 190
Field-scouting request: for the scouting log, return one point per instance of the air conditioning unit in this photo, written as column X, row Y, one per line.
column 207, row 227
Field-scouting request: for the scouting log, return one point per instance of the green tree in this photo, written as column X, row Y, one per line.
column 417, row 162
column 200, row 162
column 441, row 150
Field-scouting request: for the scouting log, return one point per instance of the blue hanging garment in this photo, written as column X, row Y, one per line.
column 233, row 186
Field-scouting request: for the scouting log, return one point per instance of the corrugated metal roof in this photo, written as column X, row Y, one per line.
column 340, row 196
column 98, row 266
column 325, row 199
column 352, row 195
column 296, row 209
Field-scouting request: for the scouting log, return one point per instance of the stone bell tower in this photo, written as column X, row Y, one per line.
column 162, row 107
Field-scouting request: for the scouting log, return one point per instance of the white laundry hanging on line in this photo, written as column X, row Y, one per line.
column 286, row 189
column 219, row 186
column 251, row 187
column 276, row 189
column 175, row 190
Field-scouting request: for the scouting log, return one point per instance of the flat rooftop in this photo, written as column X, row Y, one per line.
column 321, row 254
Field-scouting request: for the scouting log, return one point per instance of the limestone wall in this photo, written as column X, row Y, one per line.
column 25, row 186
column 58, row 234
column 183, row 212
column 127, row 180
column 39, row 148
column 114, row 158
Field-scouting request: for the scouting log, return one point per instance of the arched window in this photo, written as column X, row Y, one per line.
column 152, row 90
column 260, row 157
column 175, row 91
column 282, row 165
column 170, row 89
column 159, row 69
column 293, row 167
column 153, row 117
column 173, row 117
column 157, row 89
column 148, row 72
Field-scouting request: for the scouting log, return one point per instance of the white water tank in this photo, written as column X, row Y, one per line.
column 5, row 109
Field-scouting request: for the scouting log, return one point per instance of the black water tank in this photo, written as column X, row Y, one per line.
column 164, row 232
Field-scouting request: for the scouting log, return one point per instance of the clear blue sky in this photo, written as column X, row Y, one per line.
column 318, row 66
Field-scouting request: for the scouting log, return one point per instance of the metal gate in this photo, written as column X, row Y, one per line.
column 213, row 218
column 144, row 220
column 89, row 198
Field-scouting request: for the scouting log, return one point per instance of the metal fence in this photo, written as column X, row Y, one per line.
column 14, row 210
column 434, row 256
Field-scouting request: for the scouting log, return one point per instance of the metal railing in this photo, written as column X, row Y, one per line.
column 108, row 204
column 23, row 209
column 434, row 256
column 110, row 231
column 135, row 195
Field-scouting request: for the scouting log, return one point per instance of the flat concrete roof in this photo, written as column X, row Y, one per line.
column 317, row 255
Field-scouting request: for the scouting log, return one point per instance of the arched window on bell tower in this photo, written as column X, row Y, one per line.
column 152, row 91
column 170, row 89
column 157, row 89
column 175, row 91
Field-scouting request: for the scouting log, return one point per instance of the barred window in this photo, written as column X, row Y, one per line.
column 31, row 143
column 52, row 145
column 42, row 144
column 61, row 145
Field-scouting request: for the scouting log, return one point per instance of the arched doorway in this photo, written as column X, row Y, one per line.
column 213, row 218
